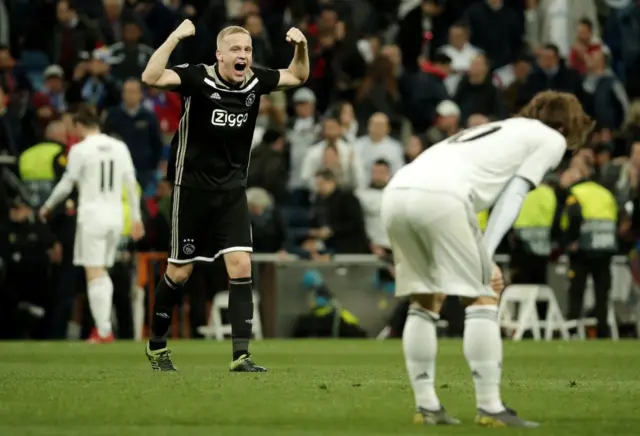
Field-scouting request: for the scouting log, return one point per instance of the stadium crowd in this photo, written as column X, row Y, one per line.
column 389, row 79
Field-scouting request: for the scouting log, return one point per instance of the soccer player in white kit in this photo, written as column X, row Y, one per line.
column 429, row 210
column 100, row 166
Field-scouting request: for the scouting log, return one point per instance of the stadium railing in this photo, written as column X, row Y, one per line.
column 349, row 277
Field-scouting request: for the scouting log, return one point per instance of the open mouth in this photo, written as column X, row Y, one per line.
column 239, row 67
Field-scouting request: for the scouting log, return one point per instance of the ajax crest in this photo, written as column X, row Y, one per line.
column 250, row 99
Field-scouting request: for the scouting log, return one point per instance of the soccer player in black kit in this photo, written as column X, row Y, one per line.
column 210, row 158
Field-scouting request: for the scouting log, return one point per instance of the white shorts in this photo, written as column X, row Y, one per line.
column 96, row 247
column 436, row 243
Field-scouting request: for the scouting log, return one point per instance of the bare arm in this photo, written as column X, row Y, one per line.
column 156, row 73
column 298, row 71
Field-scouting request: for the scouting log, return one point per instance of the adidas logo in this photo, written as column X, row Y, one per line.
column 215, row 96
column 422, row 376
column 162, row 315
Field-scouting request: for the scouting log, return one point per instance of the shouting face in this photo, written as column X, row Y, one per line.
column 234, row 55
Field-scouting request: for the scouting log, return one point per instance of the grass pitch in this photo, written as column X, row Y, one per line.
column 314, row 388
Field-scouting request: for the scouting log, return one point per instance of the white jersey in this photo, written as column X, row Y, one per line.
column 100, row 166
column 477, row 163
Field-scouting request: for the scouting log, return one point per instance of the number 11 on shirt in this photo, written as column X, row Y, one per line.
column 106, row 170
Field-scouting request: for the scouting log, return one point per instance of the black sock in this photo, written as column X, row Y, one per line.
column 240, row 314
column 168, row 294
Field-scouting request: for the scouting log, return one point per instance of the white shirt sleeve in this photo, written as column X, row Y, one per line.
column 547, row 151
column 70, row 177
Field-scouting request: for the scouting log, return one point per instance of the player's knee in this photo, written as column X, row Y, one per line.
column 179, row 273
column 430, row 302
column 480, row 301
column 238, row 264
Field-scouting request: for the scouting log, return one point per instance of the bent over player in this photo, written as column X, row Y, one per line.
column 99, row 166
column 210, row 154
column 429, row 210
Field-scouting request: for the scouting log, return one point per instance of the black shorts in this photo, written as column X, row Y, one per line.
column 205, row 224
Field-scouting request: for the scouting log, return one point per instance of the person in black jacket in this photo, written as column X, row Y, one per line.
column 337, row 219
column 551, row 74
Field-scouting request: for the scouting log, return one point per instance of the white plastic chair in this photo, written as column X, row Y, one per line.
column 217, row 329
column 527, row 319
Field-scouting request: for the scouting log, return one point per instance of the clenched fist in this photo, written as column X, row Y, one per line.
column 184, row 30
column 296, row 37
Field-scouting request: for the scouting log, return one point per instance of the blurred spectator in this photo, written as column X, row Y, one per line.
column 335, row 153
column 447, row 123
column 552, row 74
column 267, row 225
column 371, row 201
column 271, row 115
column 32, row 249
column 302, row 133
column 377, row 145
column 113, row 23
column 631, row 127
column 418, row 30
column 622, row 35
column 553, row 22
column 477, row 94
column 422, row 90
column 379, row 93
column 262, row 51
column 74, row 37
column 93, row 84
column 605, row 100
column 156, row 16
column 12, row 79
column 514, row 82
column 348, row 122
column 477, row 120
column 586, row 43
column 336, row 217
column 348, row 64
column 268, row 169
column 167, row 107
column 459, row 49
column 129, row 57
column 496, row 29
column 414, row 147
column 51, row 101
column 138, row 128
column 9, row 128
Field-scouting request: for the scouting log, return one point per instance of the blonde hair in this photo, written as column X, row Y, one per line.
column 563, row 112
column 633, row 116
column 231, row 30
column 259, row 197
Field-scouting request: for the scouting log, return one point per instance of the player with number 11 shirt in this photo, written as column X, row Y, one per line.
column 208, row 168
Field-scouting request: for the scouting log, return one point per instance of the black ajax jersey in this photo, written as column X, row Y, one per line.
column 212, row 146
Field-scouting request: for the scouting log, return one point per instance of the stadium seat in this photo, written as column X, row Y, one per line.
column 527, row 319
column 592, row 322
column 215, row 328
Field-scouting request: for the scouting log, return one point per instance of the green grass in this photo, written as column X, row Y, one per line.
column 314, row 388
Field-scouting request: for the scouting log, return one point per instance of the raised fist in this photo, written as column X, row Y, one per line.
column 185, row 30
column 296, row 37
